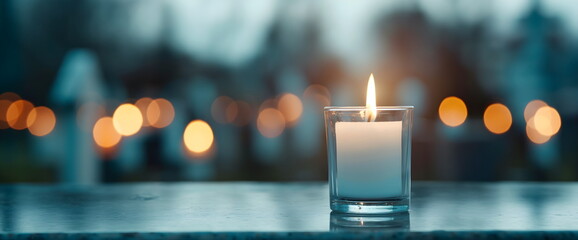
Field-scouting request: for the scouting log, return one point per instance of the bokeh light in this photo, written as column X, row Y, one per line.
column 244, row 113
column 453, row 111
column 17, row 114
column 547, row 121
column 497, row 118
column 153, row 113
column 224, row 109
column 269, row 103
column 5, row 100
column 318, row 93
column 198, row 136
column 270, row 122
column 143, row 105
column 291, row 107
column 4, row 104
column 10, row 96
column 127, row 119
column 160, row 113
column 104, row 133
column 41, row 121
column 231, row 112
column 532, row 107
column 533, row 134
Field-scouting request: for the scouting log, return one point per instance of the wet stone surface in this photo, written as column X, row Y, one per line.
column 293, row 210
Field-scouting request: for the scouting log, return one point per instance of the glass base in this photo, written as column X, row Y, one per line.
column 369, row 222
column 370, row 207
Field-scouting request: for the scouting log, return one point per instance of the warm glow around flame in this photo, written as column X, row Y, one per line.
column 370, row 104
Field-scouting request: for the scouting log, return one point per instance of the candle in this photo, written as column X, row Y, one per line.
column 369, row 151
column 369, row 155
column 368, row 159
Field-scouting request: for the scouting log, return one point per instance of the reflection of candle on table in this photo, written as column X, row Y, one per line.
column 369, row 155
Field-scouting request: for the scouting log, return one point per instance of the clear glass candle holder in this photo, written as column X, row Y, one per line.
column 369, row 159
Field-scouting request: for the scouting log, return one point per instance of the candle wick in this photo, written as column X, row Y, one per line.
column 369, row 116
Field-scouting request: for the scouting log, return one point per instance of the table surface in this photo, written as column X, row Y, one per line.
column 277, row 208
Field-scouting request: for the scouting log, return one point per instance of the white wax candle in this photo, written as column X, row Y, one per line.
column 368, row 159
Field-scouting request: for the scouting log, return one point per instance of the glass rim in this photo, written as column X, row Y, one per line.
column 363, row 108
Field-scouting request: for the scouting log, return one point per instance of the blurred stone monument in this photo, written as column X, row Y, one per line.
column 78, row 85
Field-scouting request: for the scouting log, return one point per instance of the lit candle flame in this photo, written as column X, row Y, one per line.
column 370, row 104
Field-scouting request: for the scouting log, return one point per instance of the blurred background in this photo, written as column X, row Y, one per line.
column 198, row 90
